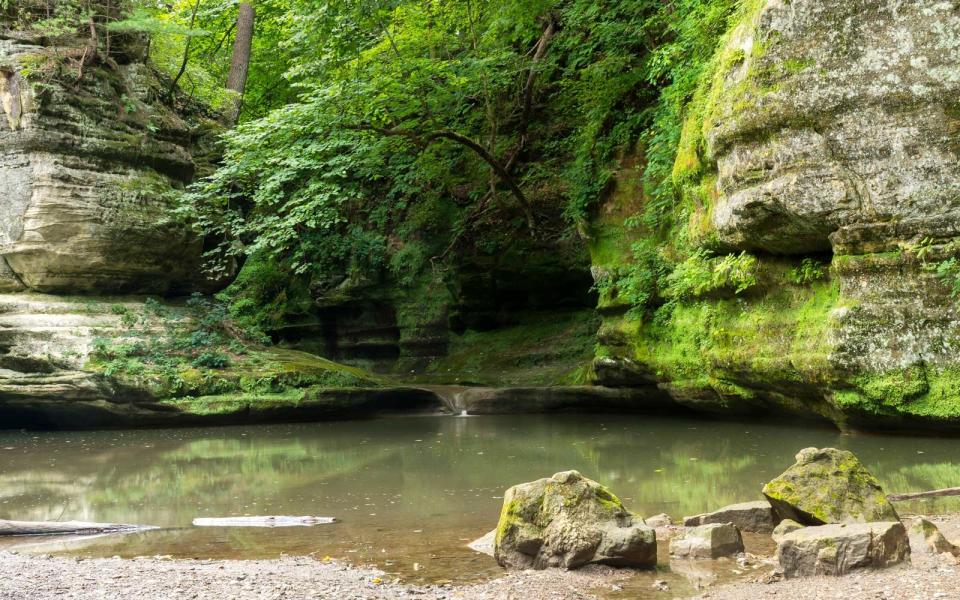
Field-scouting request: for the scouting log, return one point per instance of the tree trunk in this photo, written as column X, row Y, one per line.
column 930, row 494
column 186, row 55
column 240, row 62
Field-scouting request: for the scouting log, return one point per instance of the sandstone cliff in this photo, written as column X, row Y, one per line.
column 88, row 169
column 93, row 155
column 825, row 147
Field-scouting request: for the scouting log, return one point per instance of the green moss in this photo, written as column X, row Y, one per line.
column 741, row 349
column 608, row 500
column 510, row 518
column 797, row 65
column 233, row 403
column 546, row 348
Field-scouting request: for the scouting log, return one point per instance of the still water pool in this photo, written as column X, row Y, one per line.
column 408, row 493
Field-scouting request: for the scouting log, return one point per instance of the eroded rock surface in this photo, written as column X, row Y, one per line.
column 88, row 175
column 568, row 521
column 836, row 114
column 839, row 549
column 828, row 486
column 825, row 134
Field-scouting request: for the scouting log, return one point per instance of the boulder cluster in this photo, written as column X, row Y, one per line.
column 827, row 514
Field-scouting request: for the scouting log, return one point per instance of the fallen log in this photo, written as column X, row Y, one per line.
column 275, row 521
column 931, row 494
column 9, row 528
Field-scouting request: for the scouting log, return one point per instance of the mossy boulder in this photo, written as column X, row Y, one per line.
column 828, row 486
column 569, row 521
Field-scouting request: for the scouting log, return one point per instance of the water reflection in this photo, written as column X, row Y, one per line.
column 410, row 490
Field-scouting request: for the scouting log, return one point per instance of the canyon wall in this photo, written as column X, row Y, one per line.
column 826, row 148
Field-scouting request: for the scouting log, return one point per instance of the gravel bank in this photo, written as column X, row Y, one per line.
column 32, row 577
column 25, row 577
column 928, row 579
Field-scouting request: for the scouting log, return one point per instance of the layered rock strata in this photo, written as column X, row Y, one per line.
column 89, row 169
column 824, row 146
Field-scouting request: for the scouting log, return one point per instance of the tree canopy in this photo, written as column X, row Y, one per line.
column 387, row 137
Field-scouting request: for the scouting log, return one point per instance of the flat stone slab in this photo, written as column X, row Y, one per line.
column 706, row 542
column 755, row 517
column 840, row 548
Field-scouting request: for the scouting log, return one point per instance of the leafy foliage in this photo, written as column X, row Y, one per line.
column 424, row 129
column 948, row 271
column 701, row 275
column 384, row 139
column 639, row 282
column 160, row 340
column 808, row 271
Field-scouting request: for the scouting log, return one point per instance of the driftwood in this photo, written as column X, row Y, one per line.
column 931, row 494
column 263, row 522
column 8, row 528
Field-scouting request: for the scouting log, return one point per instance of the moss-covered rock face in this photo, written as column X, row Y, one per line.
column 568, row 521
column 83, row 361
column 824, row 143
column 828, row 486
column 89, row 169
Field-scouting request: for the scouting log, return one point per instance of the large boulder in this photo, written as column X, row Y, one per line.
column 755, row 517
column 568, row 521
column 839, row 549
column 708, row 541
column 828, row 486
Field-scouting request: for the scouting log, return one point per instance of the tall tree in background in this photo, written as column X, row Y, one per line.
column 240, row 62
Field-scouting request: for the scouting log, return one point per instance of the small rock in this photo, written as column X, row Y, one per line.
column 661, row 520
column 660, row 585
column 786, row 526
column 484, row 545
column 926, row 538
column 756, row 517
column 838, row 549
column 708, row 541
